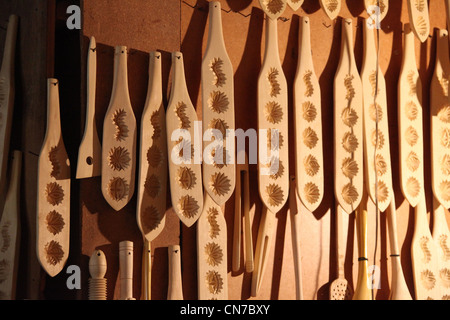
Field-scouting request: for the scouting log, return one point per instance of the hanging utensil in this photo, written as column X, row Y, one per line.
column 331, row 7
column 419, row 18
column 90, row 151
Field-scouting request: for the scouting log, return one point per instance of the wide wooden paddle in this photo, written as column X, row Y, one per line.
column 119, row 138
column 273, row 164
column 331, row 7
column 7, row 94
column 53, row 200
column 183, row 156
column 419, row 18
column 308, row 122
column 90, row 151
column 10, row 228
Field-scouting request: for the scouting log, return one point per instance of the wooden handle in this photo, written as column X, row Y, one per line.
column 248, row 238
column 340, row 241
column 237, row 225
column 146, row 277
column 7, row 69
column 447, row 10
column 295, row 231
column 126, row 270
column 97, row 271
column 215, row 33
column 175, row 291
column 53, row 129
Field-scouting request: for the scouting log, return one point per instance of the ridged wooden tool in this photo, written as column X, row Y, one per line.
column 295, row 4
column 362, row 289
column 410, row 124
column 7, row 94
column 308, row 123
column 119, row 138
column 377, row 9
column 440, row 159
column 419, row 18
column 331, row 7
column 295, row 231
column 90, row 151
column 53, row 200
column 273, row 8
column 184, row 157
column 10, row 232
column 126, row 270
column 219, row 170
column 175, row 290
column 273, row 172
column 212, row 252
column 348, row 126
column 97, row 280
column 340, row 289
column 242, row 212
column 377, row 167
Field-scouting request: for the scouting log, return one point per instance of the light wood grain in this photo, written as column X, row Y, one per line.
column 295, row 4
column 10, row 227
column 331, row 7
column 273, row 8
column 126, row 270
column 348, row 126
column 419, row 18
column 90, row 151
column 175, row 289
column 119, row 138
column 53, row 185
column 308, row 116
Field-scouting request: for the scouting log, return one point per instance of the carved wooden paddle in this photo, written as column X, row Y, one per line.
column 419, row 18
column 273, row 8
column 331, row 7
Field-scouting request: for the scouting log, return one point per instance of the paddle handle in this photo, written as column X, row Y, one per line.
column 175, row 291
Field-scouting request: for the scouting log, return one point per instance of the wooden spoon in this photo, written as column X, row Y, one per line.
column 53, row 201
column 295, row 4
column 377, row 9
column 348, row 126
column 308, row 119
column 11, row 231
column 212, row 252
column 119, row 138
column 273, row 8
column 175, row 289
column 419, row 18
column 90, row 151
column 331, row 7
column 184, row 157
column 7, row 94
column 410, row 124
column 219, row 170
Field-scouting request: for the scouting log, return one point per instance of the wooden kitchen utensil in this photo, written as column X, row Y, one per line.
column 295, row 234
column 242, row 212
column 175, row 290
column 7, row 94
column 295, row 4
column 219, row 168
column 308, row 121
column 410, row 123
column 11, row 231
column 340, row 289
column 119, row 138
column 377, row 9
column 377, row 167
column 212, row 252
column 126, row 270
column 184, row 157
column 90, row 151
column 273, row 8
column 53, row 201
column 419, row 18
column 331, row 7
column 273, row 164
column 348, row 126
column 362, row 289
column 97, row 280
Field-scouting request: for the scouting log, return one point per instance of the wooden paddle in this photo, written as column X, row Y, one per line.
column 7, row 94
column 90, row 151
column 419, row 18
column 10, row 227
column 119, row 138
column 295, row 4
column 184, row 158
column 331, row 7
column 308, row 120
column 53, row 201
column 273, row 8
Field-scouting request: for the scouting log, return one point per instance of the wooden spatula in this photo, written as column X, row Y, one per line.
column 184, row 158
column 419, row 18
column 331, row 7
column 212, row 252
column 377, row 9
column 90, row 151
column 273, row 8
column 175, row 287
column 308, row 120
column 53, row 201
column 273, row 172
column 218, row 112
column 295, row 4
column 119, row 138
column 7, row 93
column 348, row 126
column 11, row 231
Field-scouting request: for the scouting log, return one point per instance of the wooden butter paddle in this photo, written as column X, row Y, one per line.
column 419, row 18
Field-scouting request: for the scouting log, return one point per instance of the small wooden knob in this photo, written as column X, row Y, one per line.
column 97, row 264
